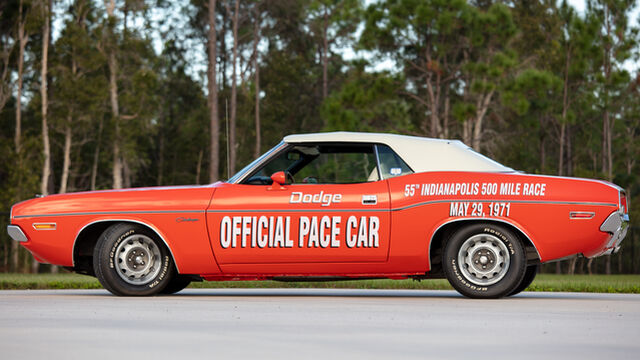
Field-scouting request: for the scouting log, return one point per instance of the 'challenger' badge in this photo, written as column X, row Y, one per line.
column 184, row 219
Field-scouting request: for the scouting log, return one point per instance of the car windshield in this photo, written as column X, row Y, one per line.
column 254, row 163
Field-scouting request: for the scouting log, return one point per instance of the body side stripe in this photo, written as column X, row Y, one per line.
column 550, row 202
column 535, row 202
column 115, row 213
column 316, row 210
column 294, row 211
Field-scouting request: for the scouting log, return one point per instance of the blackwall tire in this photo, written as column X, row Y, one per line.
column 529, row 276
column 177, row 283
column 129, row 260
column 484, row 260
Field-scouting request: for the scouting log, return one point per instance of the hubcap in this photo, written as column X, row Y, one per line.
column 484, row 259
column 137, row 259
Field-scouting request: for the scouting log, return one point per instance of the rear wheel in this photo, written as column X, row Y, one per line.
column 129, row 260
column 484, row 261
column 529, row 276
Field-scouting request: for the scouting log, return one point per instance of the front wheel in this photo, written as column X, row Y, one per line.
column 129, row 260
column 484, row 261
column 178, row 283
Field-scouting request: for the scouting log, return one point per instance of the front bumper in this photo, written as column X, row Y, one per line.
column 16, row 233
column 617, row 225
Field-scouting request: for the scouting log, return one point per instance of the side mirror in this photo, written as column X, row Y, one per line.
column 279, row 178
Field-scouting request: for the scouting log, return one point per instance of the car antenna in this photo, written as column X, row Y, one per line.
column 226, row 119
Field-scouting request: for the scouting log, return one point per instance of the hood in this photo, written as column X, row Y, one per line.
column 149, row 199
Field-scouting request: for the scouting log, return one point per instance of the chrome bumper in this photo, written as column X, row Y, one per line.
column 16, row 233
column 616, row 224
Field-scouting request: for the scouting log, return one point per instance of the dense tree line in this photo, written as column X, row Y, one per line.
column 126, row 93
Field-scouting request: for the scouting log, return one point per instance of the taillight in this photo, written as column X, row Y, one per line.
column 623, row 203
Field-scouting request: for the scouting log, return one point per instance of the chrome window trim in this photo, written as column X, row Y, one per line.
column 375, row 149
column 396, row 155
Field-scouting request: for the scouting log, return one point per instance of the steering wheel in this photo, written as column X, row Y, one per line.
column 288, row 177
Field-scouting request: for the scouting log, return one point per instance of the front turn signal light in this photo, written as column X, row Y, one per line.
column 44, row 226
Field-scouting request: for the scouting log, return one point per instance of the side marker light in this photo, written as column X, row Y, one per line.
column 582, row 215
column 44, row 226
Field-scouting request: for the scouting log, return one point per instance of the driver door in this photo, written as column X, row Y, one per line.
column 335, row 210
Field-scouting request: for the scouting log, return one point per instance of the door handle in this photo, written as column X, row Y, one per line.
column 369, row 199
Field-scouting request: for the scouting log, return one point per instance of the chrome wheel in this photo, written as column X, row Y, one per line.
column 137, row 259
column 484, row 259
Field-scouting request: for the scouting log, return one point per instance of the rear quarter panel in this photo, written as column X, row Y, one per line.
column 539, row 206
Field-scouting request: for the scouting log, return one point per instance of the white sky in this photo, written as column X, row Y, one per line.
column 197, row 50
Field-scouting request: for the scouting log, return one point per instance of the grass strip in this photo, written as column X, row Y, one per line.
column 9, row 281
column 629, row 284
column 544, row 282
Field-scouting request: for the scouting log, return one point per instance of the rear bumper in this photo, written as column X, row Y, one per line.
column 617, row 225
column 16, row 233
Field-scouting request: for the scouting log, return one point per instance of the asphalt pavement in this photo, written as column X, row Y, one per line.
column 316, row 324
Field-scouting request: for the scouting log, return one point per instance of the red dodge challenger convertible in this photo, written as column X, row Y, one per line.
column 332, row 206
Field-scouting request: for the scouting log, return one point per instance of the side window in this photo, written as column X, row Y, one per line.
column 391, row 164
column 322, row 164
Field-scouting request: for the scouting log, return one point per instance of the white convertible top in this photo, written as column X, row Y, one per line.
column 421, row 154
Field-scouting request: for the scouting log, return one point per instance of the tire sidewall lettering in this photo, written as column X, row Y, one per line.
column 163, row 273
column 105, row 258
column 502, row 237
column 464, row 281
column 455, row 276
column 112, row 252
